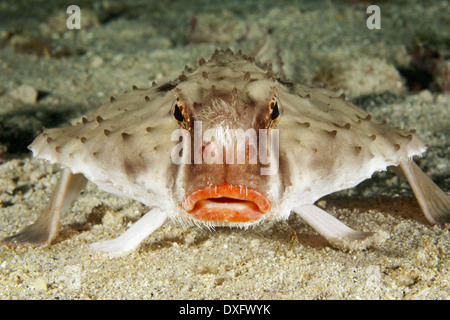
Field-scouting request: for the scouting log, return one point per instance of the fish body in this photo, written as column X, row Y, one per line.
column 228, row 144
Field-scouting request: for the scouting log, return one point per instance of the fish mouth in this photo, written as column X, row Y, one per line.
column 226, row 202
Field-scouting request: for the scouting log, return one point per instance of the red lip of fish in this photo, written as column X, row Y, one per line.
column 227, row 202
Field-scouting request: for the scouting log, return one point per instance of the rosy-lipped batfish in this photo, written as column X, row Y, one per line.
column 227, row 144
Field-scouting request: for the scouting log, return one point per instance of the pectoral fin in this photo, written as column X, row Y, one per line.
column 46, row 227
column 434, row 202
column 140, row 230
column 337, row 233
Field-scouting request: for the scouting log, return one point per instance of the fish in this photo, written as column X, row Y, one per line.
column 227, row 144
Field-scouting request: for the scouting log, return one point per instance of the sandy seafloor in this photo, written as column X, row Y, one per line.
column 134, row 43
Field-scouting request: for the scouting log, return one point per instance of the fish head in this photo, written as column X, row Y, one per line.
column 227, row 159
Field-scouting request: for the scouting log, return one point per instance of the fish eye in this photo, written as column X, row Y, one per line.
column 178, row 113
column 274, row 112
